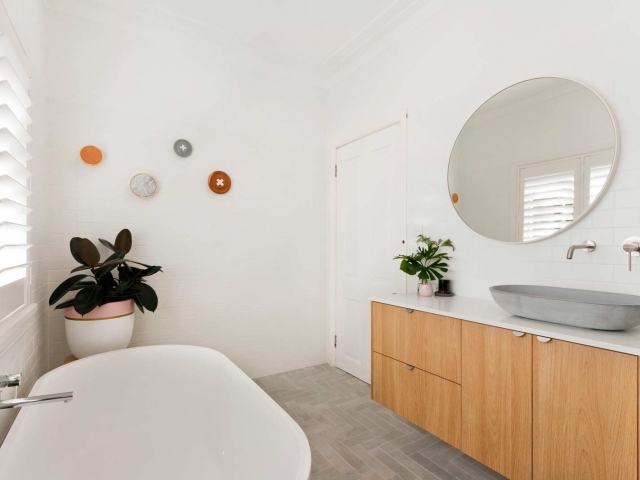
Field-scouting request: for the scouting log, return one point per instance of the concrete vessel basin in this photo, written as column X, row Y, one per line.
column 567, row 306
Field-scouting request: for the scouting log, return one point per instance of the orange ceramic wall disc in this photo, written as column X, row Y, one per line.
column 91, row 155
column 219, row 182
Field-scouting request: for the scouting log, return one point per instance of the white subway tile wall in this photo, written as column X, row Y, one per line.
column 445, row 68
column 245, row 272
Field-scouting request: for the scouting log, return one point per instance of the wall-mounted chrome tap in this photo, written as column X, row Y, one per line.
column 588, row 245
column 14, row 380
column 630, row 246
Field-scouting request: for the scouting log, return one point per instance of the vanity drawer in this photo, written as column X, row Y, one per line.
column 432, row 343
column 430, row 402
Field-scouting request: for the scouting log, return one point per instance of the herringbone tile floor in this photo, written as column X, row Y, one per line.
column 354, row 438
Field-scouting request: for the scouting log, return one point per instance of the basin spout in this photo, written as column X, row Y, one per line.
column 589, row 246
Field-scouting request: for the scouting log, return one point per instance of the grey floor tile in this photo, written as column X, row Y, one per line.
column 354, row 438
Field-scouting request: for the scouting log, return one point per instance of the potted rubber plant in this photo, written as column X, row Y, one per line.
column 99, row 318
column 428, row 262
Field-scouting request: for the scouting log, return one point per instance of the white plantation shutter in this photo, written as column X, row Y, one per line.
column 552, row 194
column 548, row 204
column 597, row 178
column 14, row 178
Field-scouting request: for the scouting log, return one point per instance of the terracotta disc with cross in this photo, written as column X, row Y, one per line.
column 219, row 182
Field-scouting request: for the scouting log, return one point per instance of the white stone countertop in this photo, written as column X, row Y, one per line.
column 489, row 313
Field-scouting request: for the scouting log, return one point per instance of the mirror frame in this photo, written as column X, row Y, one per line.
column 605, row 187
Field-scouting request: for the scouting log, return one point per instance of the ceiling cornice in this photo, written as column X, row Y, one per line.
column 383, row 31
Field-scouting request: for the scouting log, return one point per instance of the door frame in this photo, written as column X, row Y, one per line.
column 332, row 280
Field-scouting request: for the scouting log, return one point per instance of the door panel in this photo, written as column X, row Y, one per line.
column 585, row 412
column 497, row 399
column 371, row 223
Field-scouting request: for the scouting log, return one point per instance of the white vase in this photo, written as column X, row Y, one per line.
column 425, row 289
column 104, row 329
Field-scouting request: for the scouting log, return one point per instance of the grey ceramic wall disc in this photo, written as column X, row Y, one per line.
column 182, row 148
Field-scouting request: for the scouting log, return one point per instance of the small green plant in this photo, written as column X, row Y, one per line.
column 427, row 262
column 101, row 287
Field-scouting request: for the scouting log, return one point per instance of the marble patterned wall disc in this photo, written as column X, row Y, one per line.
column 143, row 185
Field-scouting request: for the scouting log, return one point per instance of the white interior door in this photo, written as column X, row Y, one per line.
column 371, row 224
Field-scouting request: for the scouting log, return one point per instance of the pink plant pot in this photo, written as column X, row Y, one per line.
column 103, row 329
column 425, row 289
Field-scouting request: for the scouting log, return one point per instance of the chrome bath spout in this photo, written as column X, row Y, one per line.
column 14, row 380
column 589, row 246
column 65, row 397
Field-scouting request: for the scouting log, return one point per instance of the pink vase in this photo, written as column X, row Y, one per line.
column 103, row 329
column 425, row 290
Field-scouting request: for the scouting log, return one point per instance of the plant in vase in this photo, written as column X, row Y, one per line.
column 100, row 316
column 428, row 262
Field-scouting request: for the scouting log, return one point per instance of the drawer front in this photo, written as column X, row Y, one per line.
column 432, row 343
column 430, row 402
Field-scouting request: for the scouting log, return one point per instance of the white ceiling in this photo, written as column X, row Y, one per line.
column 320, row 34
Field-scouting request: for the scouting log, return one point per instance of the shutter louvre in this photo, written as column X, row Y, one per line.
column 548, row 204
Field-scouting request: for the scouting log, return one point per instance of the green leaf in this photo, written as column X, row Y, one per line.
column 409, row 266
column 124, row 241
column 108, row 282
column 150, row 271
column 148, row 297
column 110, row 263
column 74, row 246
column 88, row 298
column 124, row 273
column 81, row 285
column 124, row 285
column 64, row 288
column 107, row 244
column 88, row 252
column 137, row 302
column 80, row 268
column 68, row 303
column 138, row 263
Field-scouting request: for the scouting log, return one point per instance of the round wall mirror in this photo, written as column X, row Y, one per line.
column 533, row 160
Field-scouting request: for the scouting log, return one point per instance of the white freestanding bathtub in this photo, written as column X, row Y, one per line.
column 162, row 412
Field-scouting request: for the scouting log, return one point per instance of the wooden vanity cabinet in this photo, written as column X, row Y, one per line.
column 585, row 412
column 528, row 407
column 496, row 398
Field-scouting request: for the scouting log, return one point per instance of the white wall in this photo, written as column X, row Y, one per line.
column 446, row 67
column 244, row 272
column 23, row 345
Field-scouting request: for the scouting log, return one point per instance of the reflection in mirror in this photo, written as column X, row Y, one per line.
column 532, row 160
